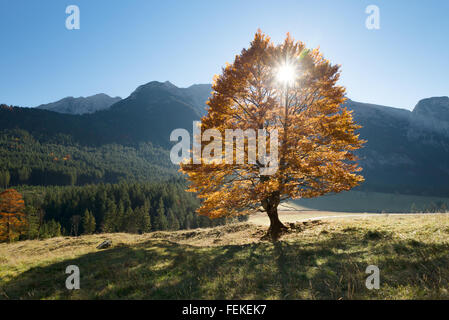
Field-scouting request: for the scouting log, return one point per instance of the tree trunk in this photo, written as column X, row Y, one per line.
column 9, row 229
column 276, row 226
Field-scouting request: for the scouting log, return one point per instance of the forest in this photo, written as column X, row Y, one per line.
column 25, row 160
column 124, row 207
column 72, row 189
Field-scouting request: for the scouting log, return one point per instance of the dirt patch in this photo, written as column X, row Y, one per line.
column 233, row 234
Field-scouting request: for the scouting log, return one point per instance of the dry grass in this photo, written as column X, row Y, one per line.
column 316, row 260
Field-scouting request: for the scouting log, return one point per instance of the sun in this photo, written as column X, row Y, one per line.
column 286, row 74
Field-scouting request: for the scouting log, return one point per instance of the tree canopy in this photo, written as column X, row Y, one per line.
column 316, row 134
column 12, row 215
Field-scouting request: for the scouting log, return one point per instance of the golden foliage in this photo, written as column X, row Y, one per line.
column 12, row 215
column 317, row 134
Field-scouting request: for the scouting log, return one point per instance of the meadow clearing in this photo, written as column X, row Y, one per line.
column 325, row 258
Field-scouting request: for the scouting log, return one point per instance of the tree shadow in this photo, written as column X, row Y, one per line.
column 332, row 267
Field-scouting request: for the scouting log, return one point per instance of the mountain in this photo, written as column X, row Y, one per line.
column 129, row 141
column 153, row 111
column 150, row 113
column 406, row 151
column 195, row 95
column 437, row 107
column 431, row 119
column 81, row 105
column 198, row 94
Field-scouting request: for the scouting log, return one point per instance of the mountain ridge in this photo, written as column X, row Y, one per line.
column 81, row 105
column 406, row 151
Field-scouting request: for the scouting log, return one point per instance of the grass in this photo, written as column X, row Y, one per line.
column 361, row 201
column 316, row 260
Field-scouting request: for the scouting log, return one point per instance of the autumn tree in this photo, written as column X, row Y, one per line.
column 284, row 90
column 12, row 215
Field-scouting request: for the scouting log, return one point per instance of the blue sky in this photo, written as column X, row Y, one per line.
column 123, row 44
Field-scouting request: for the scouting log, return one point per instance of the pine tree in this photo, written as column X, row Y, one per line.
column 88, row 222
column 173, row 222
column 75, row 223
column 4, row 179
column 190, row 222
column 160, row 221
column 130, row 225
column 24, row 174
column 54, row 228
column 110, row 217
column 143, row 219
column 120, row 219
column 145, row 222
column 50, row 229
column 34, row 222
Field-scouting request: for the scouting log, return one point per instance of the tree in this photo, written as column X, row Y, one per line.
column 173, row 222
column 24, row 174
column 35, row 221
column 50, row 229
column 143, row 218
column 12, row 215
column 4, row 179
column 88, row 222
column 160, row 220
column 284, row 89
column 109, row 223
column 75, row 223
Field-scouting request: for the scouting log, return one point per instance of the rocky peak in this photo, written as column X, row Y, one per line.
column 436, row 107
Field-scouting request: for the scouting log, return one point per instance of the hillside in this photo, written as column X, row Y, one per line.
column 128, row 141
column 401, row 154
column 149, row 114
column 60, row 161
column 317, row 260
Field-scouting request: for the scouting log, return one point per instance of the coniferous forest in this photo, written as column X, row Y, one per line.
column 60, row 161
column 71, row 188
column 133, row 207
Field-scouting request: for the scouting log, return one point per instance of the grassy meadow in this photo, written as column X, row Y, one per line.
column 367, row 201
column 323, row 259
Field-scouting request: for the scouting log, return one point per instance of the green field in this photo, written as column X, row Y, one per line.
column 360, row 201
column 325, row 259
